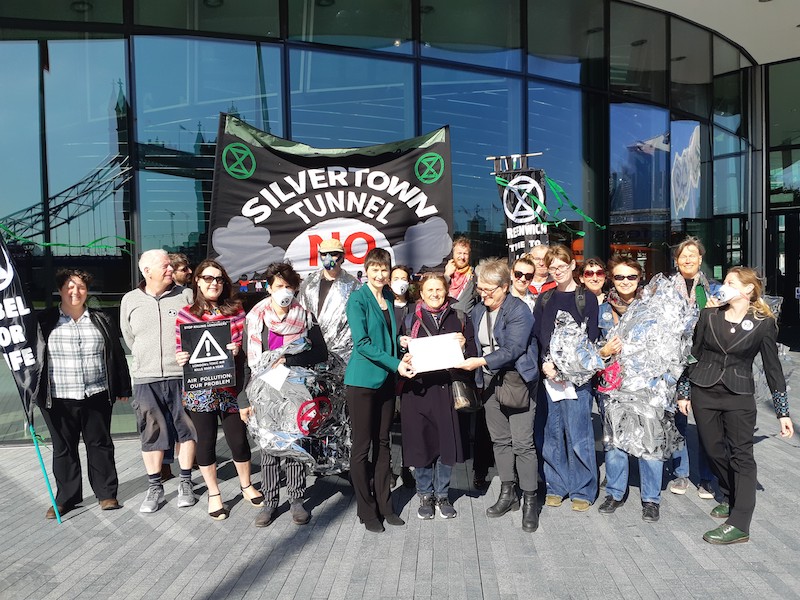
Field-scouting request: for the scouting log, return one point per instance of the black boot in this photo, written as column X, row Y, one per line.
column 507, row 501
column 530, row 512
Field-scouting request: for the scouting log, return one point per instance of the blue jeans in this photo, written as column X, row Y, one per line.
column 434, row 479
column 570, row 464
column 650, row 472
column 680, row 458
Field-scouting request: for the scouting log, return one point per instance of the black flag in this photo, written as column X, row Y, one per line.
column 20, row 335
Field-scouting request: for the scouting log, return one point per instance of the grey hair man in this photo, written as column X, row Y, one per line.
column 147, row 319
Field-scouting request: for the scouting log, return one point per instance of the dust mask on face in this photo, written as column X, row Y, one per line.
column 283, row 297
column 399, row 287
column 329, row 262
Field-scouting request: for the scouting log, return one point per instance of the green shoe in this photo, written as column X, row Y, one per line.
column 726, row 534
column 721, row 511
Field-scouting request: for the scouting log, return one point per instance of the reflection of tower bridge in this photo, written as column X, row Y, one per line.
column 65, row 209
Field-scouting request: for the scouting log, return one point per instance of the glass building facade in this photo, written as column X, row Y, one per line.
column 110, row 109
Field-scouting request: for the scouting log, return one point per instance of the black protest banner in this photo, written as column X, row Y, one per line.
column 20, row 334
column 275, row 200
column 210, row 363
column 522, row 193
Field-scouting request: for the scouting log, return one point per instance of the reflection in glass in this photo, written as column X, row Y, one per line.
column 730, row 103
column 484, row 114
column 784, row 178
column 378, row 24
column 638, row 59
column 689, row 146
column 472, row 31
column 566, row 40
column 690, row 68
column 730, row 178
column 345, row 101
column 564, row 124
column 182, row 86
column 639, row 154
column 242, row 18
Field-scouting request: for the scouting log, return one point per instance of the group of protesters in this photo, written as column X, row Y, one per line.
column 533, row 418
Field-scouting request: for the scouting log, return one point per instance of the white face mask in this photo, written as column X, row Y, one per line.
column 283, row 297
column 726, row 293
column 399, row 287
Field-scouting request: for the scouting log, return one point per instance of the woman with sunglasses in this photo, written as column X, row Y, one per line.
column 431, row 435
column 214, row 301
column 522, row 273
column 626, row 274
column 593, row 277
column 570, row 466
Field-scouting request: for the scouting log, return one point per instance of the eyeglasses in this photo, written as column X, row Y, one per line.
column 485, row 292
column 624, row 277
column 521, row 275
column 209, row 279
column 595, row 273
column 538, row 260
column 558, row 270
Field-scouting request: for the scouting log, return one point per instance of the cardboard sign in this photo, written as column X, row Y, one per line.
column 210, row 362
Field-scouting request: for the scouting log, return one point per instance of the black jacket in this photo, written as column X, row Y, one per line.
column 117, row 375
column 731, row 361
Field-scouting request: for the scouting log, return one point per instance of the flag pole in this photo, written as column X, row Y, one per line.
column 44, row 471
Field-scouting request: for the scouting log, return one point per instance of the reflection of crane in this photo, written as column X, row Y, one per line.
column 73, row 202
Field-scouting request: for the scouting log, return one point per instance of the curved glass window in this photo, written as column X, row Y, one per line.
column 472, row 31
column 377, row 25
column 638, row 60
column 690, row 68
column 639, row 154
column 484, row 114
column 182, row 86
column 242, row 18
column 566, row 40
column 340, row 100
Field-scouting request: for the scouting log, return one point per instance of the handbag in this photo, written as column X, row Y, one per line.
column 466, row 397
column 509, row 386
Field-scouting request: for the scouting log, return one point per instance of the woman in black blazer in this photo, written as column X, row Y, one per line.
column 719, row 388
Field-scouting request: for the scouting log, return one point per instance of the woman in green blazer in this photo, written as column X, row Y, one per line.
column 370, row 380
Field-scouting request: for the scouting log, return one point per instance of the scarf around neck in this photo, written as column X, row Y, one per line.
column 432, row 311
column 262, row 316
column 458, row 281
column 618, row 304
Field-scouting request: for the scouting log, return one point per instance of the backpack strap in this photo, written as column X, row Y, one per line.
column 580, row 300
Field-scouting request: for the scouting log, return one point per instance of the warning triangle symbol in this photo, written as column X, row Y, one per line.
column 207, row 350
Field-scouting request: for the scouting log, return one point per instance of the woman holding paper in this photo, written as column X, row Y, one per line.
column 370, row 380
column 507, row 367
column 432, row 440
column 214, row 301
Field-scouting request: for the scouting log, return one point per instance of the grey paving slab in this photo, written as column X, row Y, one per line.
column 181, row 553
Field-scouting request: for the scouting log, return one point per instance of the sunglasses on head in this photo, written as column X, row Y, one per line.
column 595, row 273
column 521, row 275
column 624, row 277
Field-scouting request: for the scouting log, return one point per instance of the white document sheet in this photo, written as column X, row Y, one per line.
column 435, row 353
column 560, row 390
column 276, row 376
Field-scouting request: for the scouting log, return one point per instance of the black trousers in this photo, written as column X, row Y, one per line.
column 725, row 425
column 482, row 453
column 206, row 424
column 371, row 413
column 67, row 421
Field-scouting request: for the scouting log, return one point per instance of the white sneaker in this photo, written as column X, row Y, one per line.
column 153, row 499
column 185, row 494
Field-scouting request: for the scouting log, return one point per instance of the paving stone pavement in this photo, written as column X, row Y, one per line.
column 181, row 553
